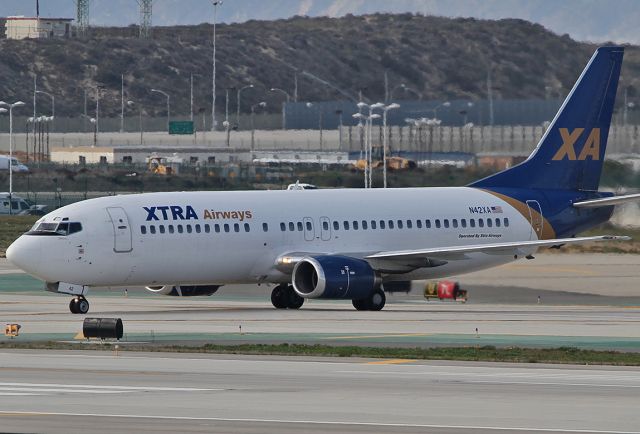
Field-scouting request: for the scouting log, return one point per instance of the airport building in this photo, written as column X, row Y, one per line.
column 20, row 27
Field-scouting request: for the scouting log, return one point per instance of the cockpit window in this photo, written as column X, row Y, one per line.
column 63, row 229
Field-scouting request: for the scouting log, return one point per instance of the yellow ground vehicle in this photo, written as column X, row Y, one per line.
column 393, row 163
column 163, row 165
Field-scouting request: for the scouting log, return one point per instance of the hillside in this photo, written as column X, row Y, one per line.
column 440, row 57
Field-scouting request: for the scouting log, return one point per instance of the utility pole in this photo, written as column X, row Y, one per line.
column 490, row 95
column 213, row 102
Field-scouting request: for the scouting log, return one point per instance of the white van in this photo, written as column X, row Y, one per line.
column 17, row 165
column 19, row 205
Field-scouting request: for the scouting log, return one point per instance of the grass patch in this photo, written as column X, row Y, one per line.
column 11, row 227
column 562, row 355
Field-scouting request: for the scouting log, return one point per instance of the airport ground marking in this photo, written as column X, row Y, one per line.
column 317, row 422
column 391, row 362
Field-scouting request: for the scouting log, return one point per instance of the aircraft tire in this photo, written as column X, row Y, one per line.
column 294, row 301
column 361, row 304
column 73, row 306
column 279, row 297
column 377, row 300
column 82, row 305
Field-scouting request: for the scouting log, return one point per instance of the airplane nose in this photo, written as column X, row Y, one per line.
column 26, row 254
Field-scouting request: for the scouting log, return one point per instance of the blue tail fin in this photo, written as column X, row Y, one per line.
column 571, row 153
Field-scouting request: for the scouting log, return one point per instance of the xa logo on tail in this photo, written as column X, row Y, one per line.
column 591, row 146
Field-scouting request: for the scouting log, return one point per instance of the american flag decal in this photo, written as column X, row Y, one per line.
column 496, row 209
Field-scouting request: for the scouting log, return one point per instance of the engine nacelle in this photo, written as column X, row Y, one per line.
column 184, row 290
column 334, row 277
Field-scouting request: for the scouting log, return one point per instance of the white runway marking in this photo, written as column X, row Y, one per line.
column 320, row 422
column 27, row 389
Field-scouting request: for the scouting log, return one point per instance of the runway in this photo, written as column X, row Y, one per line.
column 98, row 392
column 498, row 314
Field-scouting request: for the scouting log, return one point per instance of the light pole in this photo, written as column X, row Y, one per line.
column 372, row 107
column 284, row 113
column 132, row 104
column 11, row 106
column 121, row 103
column 367, row 136
column 215, row 3
column 253, row 127
column 248, row 86
column 168, row 104
column 339, row 114
column 385, row 142
column 53, row 105
column 93, row 121
column 310, row 105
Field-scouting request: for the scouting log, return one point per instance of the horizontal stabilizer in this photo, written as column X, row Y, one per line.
column 512, row 247
column 607, row 201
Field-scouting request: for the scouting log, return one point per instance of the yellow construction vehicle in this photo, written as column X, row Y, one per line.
column 163, row 165
column 393, row 163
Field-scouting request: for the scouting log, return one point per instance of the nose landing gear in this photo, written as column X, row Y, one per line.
column 79, row 305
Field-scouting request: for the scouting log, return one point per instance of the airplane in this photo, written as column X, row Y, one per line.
column 339, row 243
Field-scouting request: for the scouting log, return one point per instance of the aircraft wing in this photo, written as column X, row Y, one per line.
column 518, row 247
column 607, row 201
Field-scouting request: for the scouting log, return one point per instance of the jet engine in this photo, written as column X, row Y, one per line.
column 334, row 277
column 184, row 290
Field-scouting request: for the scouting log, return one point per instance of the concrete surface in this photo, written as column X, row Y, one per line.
column 77, row 392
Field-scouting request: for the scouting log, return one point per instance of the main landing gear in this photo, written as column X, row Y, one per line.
column 79, row 305
column 374, row 302
column 283, row 296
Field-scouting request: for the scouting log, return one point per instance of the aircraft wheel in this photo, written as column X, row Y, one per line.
column 294, row 301
column 82, row 305
column 377, row 300
column 279, row 297
column 360, row 304
column 73, row 306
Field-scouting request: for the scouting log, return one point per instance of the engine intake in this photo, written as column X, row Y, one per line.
column 334, row 277
column 184, row 290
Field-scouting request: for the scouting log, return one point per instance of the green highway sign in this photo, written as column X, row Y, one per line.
column 181, row 127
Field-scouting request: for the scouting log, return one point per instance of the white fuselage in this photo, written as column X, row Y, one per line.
column 237, row 237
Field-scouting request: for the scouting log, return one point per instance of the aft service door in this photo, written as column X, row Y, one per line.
column 535, row 218
column 121, row 230
column 325, row 228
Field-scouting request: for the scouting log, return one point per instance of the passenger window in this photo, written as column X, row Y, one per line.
column 197, row 229
column 506, row 222
column 283, row 227
column 419, row 224
column 455, row 223
column 364, row 225
column 74, row 227
column 161, row 227
column 143, row 230
column 189, row 229
column 247, row 228
column 382, row 225
column 438, row 223
column 355, row 225
column 427, row 224
column 152, row 229
column 300, row 226
column 265, row 227
column 207, row 228
column 292, row 227
column 226, row 227
column 472, row 223
column 463, row 222
column 325, row 226
column 236, row 227
column 481, row 223
column 390, row 224
column 409, row 224
column 336, row 225
column 446, row 223
column 170, row 229
column 345, row 225
column 217, row 228
column 489, row 223
column 497, row 223
column 309, row 226
column 373, row 224
column 399, row 224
